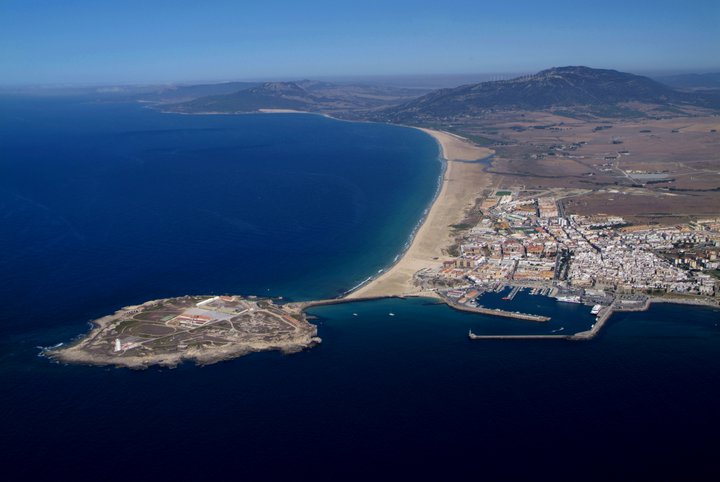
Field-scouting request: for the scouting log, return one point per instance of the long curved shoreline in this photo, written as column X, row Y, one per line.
column 416, row 228
column 461, row 183
column 431, row 235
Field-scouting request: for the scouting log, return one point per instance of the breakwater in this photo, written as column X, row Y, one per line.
column 473, row 336
column 497, row 312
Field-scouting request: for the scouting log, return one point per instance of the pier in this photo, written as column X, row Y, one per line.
column 497, row 312
column 602, row 318
column 473, row 336
column 511, row 296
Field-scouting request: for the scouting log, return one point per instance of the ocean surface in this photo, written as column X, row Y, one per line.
column 104, row 205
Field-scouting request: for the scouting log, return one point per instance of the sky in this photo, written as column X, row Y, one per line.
column 128, row 41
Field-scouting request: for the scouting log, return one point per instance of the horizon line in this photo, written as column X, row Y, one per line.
column 507, row 74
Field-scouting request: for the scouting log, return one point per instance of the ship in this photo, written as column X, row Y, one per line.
column 595, row 309
column 568, row 299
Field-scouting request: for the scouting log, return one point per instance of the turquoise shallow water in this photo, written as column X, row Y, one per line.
column 105, row 205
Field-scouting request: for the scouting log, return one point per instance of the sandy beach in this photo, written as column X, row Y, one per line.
column 461, row 184
column 283, row 111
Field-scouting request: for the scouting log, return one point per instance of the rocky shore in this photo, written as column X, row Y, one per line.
column 204, row 330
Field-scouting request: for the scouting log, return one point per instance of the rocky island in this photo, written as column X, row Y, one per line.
column 203, row 329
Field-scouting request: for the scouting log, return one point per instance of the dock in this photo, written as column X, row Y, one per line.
column 601, row 319
column 511, row 296
column 497, row 312
column 473, row 336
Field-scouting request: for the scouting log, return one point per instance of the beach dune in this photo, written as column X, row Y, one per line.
column 461, row 184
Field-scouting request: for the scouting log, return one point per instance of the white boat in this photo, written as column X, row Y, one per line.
column 569, row 299
column 391, row 314
column 595, row 309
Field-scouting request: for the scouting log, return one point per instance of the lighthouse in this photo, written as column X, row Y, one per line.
column 118, row 346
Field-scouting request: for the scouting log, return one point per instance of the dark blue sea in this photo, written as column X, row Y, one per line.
column 104, row 205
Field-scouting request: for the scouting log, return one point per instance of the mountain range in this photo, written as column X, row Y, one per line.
column 570, row 90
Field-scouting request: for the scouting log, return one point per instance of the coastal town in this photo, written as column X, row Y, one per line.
column 525, row 240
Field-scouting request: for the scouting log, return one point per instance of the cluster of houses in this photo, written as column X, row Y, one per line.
column 528, row 241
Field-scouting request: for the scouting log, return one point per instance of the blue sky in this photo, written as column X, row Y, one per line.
column 99, row 41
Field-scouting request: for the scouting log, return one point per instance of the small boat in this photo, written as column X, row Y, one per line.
column 391, row 314
column 354, row 314
column 595, row 309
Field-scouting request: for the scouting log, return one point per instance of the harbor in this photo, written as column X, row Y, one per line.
column 550, row 317
column 628, row 304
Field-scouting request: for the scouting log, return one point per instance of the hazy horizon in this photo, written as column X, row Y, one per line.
column 89, row 43
column 419, row 81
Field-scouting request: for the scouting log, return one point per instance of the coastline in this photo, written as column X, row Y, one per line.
column 461, row 182
column 457, row 188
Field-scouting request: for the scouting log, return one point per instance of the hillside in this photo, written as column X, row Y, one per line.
column 305, row 95
column 270, row 95
column 180, row 93
column 583, row 89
